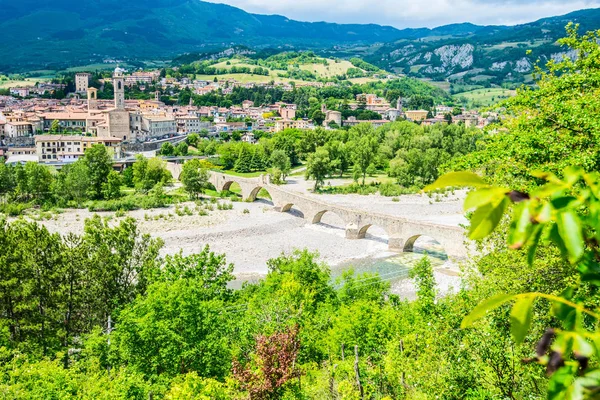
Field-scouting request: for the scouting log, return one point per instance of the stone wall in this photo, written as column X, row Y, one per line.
column 149, row 146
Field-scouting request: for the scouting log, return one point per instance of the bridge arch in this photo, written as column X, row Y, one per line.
column 316, row 217
column 362, row 232
column 437, row 247
column 253, row 193
column 226, row 186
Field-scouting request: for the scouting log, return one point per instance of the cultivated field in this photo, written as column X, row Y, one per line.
column 485, row 97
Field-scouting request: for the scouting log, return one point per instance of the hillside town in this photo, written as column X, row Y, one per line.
column 33, row 128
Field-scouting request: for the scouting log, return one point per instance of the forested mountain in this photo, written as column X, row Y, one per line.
column 479, row 54
column 55, row 34
column 39, row 32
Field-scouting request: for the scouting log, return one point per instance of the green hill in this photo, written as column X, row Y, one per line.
column 45, row 33
column 478, row 55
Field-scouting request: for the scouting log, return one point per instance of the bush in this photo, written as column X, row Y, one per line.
column 14, row 209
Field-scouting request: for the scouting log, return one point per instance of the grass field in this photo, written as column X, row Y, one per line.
column 244, row 78
column 524, row 44
column 485, row 97
column 330, row 70
column 98, row 67
column 9, row 83
column 440, row 84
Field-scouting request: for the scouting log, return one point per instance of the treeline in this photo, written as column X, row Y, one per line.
column 207, row 68
column 102, row 315
column 416, row 95
column 90, row 182
column 411, row 154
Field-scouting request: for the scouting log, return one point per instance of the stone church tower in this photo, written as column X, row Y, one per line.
column 119, row 87
column 92, row 98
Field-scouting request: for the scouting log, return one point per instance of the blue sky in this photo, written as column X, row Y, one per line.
column 414, row 14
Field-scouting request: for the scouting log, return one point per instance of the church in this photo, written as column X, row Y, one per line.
column 115, row 122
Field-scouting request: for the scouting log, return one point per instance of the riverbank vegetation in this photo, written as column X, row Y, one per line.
column 410, row 155
column 89, row 182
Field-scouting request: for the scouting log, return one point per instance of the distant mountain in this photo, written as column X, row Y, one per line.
column 56, row 32
column 475, row 54
column 41, row 34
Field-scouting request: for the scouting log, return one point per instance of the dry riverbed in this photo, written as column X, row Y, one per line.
column 252, row 233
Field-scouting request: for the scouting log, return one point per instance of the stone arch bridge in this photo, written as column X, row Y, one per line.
column 402, row 233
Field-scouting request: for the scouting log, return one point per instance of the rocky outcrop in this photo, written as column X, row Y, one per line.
column 453, row 56
column 523, row 65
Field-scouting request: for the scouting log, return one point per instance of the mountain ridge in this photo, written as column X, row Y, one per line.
column 58, row 33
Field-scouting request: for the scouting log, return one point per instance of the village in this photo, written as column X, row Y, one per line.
column 39, row 129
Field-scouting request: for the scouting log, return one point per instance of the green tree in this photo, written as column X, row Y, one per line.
column 149, row 172
column 551, row 127
column 194, row 178
column 281, row 161
column 167, row 149
column 99, row 165
column 77, row 181
column 318, row 167
column 182, row 149
column 339, row 155
column 286, row 140
column 318, row 117
column 55, row 127
column 364, row 151
column 192, row 139
column 399, row 169
column 127, row 177
column 7, row 179
column 244, row 159
column 39, row 180
column 422, row 273
column 548, row 216
column 112, row 187
column 258, row 158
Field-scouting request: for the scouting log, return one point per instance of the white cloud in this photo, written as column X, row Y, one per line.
column 414, row 14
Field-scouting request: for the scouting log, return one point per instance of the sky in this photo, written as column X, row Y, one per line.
column 413, row 13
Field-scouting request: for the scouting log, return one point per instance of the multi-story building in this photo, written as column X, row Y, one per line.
column 20, row 151
column 352, row 121
column 66, row 120
column 82, row 82
column 20, row 91
column 282, row 124
column 15, row 129
column 141, row 78
column 416, row 115
column 190, row 124
column 68, row 148
column 154, row 126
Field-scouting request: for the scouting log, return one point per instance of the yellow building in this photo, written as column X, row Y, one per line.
column 282, row 124
column 416, row 115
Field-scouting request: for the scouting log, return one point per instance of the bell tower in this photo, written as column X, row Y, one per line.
column 119, row 88
column 92, row 98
